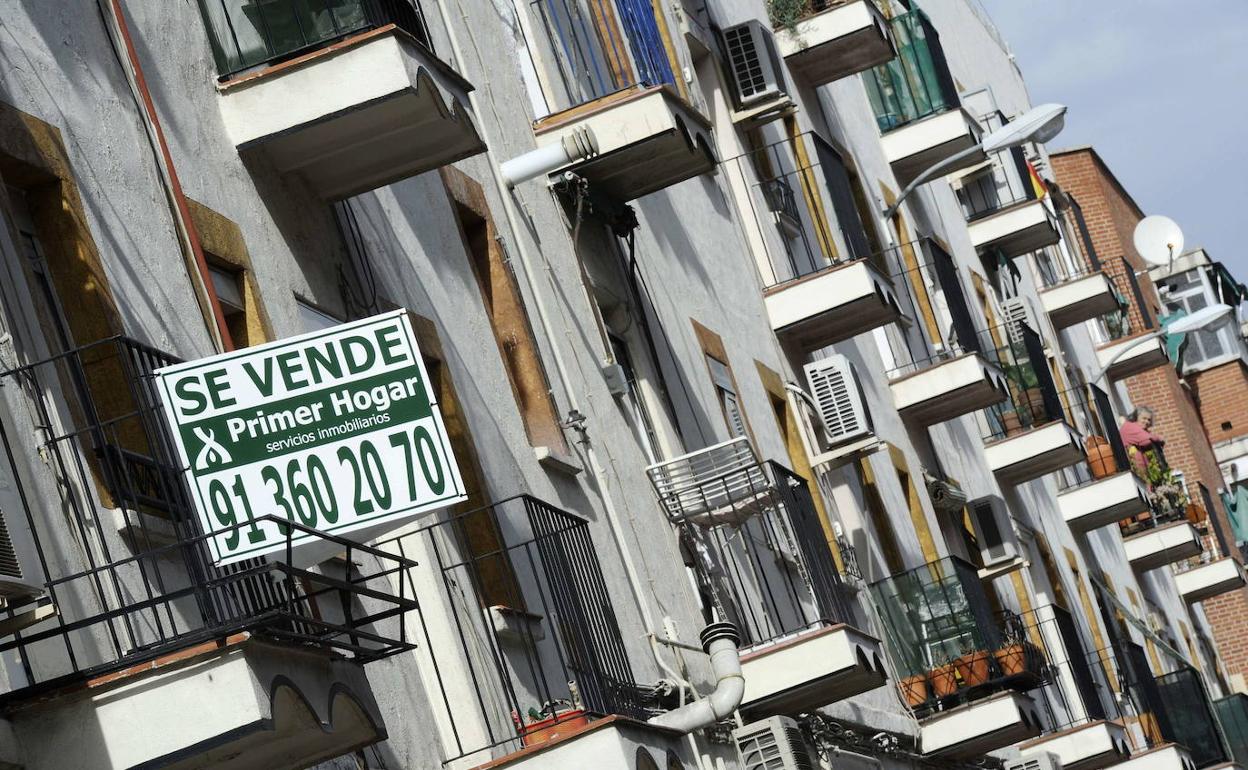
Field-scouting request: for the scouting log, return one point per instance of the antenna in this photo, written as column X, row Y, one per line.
column 1158, row 240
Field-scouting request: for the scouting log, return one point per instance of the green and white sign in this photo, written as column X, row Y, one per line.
column 338, row 430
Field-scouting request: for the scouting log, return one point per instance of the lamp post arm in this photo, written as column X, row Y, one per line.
column 928, row 174
column 1150, row 336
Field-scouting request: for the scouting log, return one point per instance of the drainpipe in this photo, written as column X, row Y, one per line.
column 513, row 215
column 720, row 641
column 217, row 330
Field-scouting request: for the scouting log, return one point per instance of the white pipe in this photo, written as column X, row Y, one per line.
column 539, row 305
column 720, row 642
column 577, row 145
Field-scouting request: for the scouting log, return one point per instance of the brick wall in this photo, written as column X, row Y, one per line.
column 1222, row 393
column 1111, row 217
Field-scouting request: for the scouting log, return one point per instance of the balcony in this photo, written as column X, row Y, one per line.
column 1155, row 545
column 1005, row 213
column 1028, row 435
column 1164, row 757
column 941, row 375
column 1103, row 501
column 965, row 671
column 831, row 305
column 1073, row 295
column 648, row 139
column 1189, row 719
column 1210, row 579
column 1129, row 356
column 835, row 39
column 350, row 98
column 1232, row 714
column 776, row 579
column 1090, row 746
column 825, row 280
column 916, row 104
column 137, row 634
column 724, row 484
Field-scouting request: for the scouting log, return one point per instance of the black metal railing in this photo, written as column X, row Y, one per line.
column 1078, row 690
column 249, row 34
column 525, row 637
column 1007, row 184
column 804, row 207
column 917, row 83
column 937, row 334
column 1055, row 270
column 1032, row 396
column 775, row 574
column 1121, row 323
column 124, row 563
column 947, row 644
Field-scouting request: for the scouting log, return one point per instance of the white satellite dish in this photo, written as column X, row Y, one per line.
column 1158, row 240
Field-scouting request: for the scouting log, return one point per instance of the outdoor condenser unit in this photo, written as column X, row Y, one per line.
column 839, row 400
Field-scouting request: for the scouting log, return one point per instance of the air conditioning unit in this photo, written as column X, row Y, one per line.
column 997, row 543
column 1018, row 313
column 946, row 495
column 1041, row 760
column 754, row 63
column 839, row 400
column 773, row 744
column 20, row 571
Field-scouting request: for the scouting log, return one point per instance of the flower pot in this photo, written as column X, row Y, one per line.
column 944, row 680
column 1011, row 422
column 914, row 689
column 1196, row 513
column 1100, row 457
column 1011, row 659
column 973, row 668
column 547, row 730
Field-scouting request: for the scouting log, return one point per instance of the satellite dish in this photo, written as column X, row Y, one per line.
column 1158, row 240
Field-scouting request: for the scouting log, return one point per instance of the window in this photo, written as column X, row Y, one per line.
column 1188, row 293
column 312, row 319
column 632, row 402
column 726, row 394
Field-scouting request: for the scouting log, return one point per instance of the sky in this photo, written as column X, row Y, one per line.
column 1160, row 88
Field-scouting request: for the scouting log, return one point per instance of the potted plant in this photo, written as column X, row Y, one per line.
column 1100, row 457
column 944, row 680
column 1011, row 658
column 973, row 667
column 914, row 689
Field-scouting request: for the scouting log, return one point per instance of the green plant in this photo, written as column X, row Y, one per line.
column 785, row 14
column 1164, row 490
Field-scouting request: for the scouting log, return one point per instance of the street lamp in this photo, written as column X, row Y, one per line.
column 1199, row 320
column 1039, row 124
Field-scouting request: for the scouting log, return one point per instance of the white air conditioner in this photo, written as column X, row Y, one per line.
column 1018, row 313
column 839, row 399
column 1041, row 760
column 997, row 543
column 20, row 569
column 754, row 63
column 773, row 744
column 946, row 495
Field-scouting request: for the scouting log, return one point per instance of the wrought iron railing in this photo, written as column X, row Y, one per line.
column 947, row 644
column 248, row 34
column 917, row 83
column 1123, row 323
column 775, row 574
column 1055, row 270
column 804, row 207
column 1078, row 689
column 126, row 568
column 940, row 330
column 523, row 637
column 1007, row 184
column 1032, row 399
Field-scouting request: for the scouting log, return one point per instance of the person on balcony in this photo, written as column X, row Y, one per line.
column 1139, row 439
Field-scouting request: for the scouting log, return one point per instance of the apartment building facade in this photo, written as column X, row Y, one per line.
column 1182, row 415
column 768, row 461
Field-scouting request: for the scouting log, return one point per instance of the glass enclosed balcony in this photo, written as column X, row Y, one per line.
column 1232, row 714
column 347, row 93
column 916, row 103
column 964, row 669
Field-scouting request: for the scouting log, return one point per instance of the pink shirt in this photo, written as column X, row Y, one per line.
column 1136, row 435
